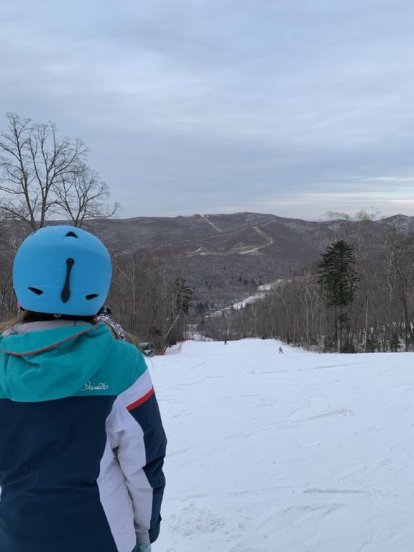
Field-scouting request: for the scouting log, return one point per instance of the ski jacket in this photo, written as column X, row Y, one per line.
column 81, row 441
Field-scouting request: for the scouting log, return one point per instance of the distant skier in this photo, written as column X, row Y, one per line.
column 280, row 350
column 81, row 440
column 225, row 341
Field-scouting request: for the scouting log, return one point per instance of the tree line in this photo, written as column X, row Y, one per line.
column 355, row 298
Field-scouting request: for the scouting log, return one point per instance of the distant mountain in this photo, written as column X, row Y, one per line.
column 225, row 257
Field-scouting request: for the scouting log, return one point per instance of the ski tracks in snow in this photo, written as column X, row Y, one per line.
column 286, row 453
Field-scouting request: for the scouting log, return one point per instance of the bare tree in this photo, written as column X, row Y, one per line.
column 149, row 300
column 401, row 250
column 339, row 223
column 84, row 196
column 43, row 174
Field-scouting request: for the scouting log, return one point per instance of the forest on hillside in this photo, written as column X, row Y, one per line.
column 376, row 312
column 354, row 297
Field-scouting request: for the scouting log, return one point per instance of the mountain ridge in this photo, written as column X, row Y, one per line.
column 225, row 257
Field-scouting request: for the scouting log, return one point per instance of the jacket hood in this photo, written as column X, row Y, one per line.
column 50, row 364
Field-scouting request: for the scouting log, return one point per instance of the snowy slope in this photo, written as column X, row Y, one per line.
column 286, row 453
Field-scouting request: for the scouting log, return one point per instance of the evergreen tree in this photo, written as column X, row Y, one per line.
column 183, row 295
column 338, row 279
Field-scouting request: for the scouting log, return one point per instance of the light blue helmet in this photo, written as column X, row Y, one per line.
column 62, row 270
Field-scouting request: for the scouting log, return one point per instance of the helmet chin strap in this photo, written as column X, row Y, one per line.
column 65, row 295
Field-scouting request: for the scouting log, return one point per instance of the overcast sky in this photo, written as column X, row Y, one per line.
column 291, row 107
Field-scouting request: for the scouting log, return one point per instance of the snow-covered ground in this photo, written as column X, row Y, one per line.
column 297, row 452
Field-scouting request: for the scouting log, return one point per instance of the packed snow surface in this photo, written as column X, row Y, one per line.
column 293, row 452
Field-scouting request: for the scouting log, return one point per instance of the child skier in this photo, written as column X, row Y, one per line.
column 81, row 440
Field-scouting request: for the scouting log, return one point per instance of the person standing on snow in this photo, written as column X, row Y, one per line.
column 81, row 441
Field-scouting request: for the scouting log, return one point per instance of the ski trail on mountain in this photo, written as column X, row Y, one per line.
column 299, row 452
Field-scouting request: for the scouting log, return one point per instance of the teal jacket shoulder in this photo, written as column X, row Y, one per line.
column 68, row 360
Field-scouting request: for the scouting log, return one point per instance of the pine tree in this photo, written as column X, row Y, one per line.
column 183, row 295
column 338, row 279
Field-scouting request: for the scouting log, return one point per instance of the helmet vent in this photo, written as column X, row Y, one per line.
column 36, row 290
column 91, row 296
column 71, row 235
column 65, row 295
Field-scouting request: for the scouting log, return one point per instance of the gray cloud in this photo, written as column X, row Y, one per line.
column 214, row 106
